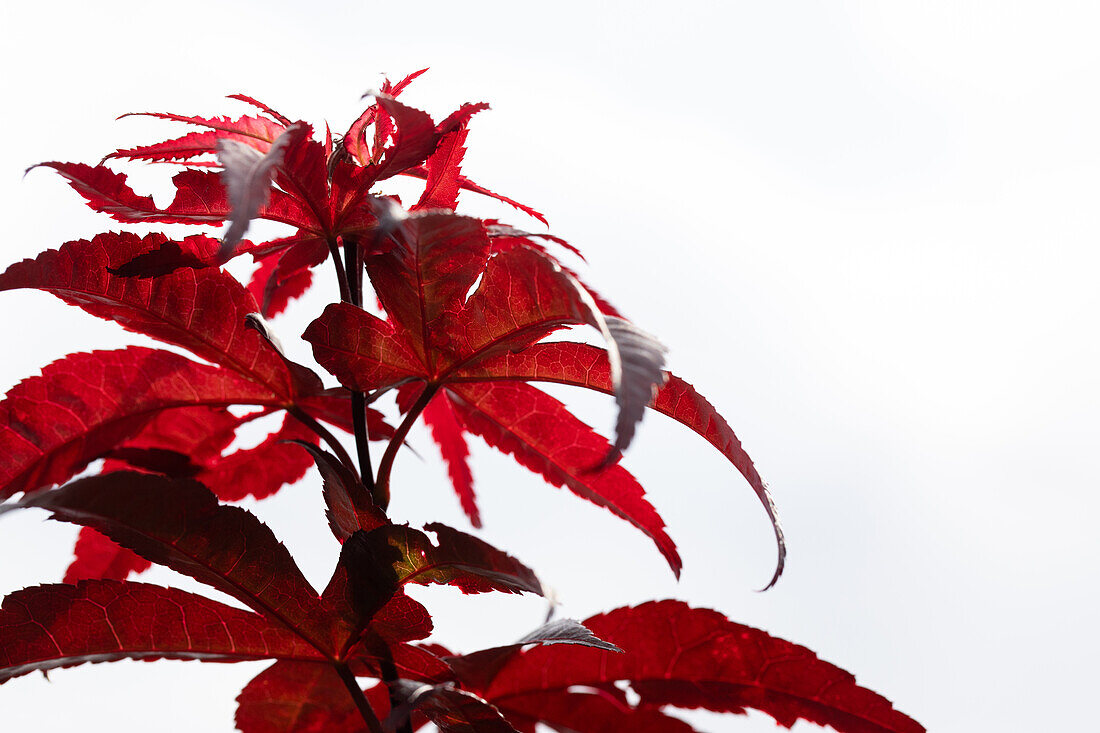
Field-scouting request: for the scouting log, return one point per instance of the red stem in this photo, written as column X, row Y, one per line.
column 382, row 484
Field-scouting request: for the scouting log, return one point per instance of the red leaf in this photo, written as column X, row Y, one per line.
column 441, row 189
column 447, row 432
column 257, row 128
column 411, row 661
column 197, row 434
column 334, row 407
column 283, row 277
column 363, row 351
column 196, row 251
column 84, row 405
column 183, row 149
column 591, row 711
column 587, row 366
column 467, row 185
column 677, row 655
column 179, row 523
column 201, row 310
column 52, row 626
column 354, row 141
column 96, row 556
column 304, row 176
column 427, row 276
column 414, row 138
column 297, row 697
column 281, row 119
column 523, row 297
column 506, row 238
column 479, row 668
column 263, row 470
column 543, row 436
column 200, row 198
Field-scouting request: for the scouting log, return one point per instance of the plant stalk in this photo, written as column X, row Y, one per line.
column 341, row 275
column 382, row 484
column 353, row 271
column 360, row 699
column 381, row 650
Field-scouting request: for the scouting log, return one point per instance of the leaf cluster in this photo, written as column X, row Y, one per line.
column 467, row 306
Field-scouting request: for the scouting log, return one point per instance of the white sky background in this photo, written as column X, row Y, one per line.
column 868, row 232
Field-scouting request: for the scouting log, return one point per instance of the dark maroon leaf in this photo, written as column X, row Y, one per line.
column 459, row 559
column 451, row 709
column 350, row 507
column 297, row 697
column 196, row 252
column 178, row 523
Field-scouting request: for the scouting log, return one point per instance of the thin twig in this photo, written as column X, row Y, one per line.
column 382, row 652
column 353, row 271
column 362, row 444
column 341, row 276
column 389, row 677
column 360, row 699
column 382, row 484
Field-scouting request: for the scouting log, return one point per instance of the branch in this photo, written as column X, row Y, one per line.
column 382, row 485
column 360, row 699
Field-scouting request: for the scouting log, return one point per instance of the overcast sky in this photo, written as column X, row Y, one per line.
column 867, row 231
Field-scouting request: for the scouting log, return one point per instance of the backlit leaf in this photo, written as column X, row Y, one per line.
column 695, row 658
column 52, row 626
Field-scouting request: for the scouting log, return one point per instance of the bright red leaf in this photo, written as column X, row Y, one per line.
column 467, row 305
column 581, row 365
column 695, row 658
column 201, row 310
column 96, row 557
column 85, row 405
column 543, row 436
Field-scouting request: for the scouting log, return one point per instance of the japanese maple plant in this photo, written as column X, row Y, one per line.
column 466, row 306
